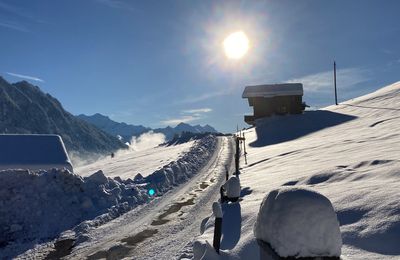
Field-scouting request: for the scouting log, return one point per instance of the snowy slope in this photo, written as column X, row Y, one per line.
column 127, row 164
column 350, row 153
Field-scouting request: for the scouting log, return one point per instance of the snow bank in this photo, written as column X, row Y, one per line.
column 41, row 205
column 181, row 170
column 37, row 206
column 298, row 222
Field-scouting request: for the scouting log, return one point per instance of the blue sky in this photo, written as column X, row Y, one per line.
column 160, row 62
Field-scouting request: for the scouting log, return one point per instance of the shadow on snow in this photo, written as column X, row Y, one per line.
column 278, row 129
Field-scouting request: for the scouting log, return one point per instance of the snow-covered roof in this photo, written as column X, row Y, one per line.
column 273, row 90
column 33, row 152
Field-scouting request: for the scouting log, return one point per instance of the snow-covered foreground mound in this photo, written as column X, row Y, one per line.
column 349, row 153
column 298, row 222
column 38, row 206
column 127, row 164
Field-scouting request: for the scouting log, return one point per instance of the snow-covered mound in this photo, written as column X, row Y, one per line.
column 354, row 162
column 298, row 222
column 38, row 206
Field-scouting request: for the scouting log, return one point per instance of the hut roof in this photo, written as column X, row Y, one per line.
column 273, row 90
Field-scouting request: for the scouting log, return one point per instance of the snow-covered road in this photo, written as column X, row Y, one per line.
column 164, row 228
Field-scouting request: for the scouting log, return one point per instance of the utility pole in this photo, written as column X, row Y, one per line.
column 334, row 79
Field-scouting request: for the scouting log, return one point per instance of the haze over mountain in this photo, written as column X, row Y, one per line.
column 25, row 109
column 127, row 131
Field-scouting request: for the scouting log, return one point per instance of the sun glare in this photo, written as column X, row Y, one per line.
column 236, row 45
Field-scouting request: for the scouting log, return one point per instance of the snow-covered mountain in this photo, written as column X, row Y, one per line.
column 127, row 131
column 25, row 109
column 103, row 122
column 170, row 132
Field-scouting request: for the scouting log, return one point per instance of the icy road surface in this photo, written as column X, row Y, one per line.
column 164, row 228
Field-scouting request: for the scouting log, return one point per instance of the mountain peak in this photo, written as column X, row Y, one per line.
column 40, row 113
column 182, row 124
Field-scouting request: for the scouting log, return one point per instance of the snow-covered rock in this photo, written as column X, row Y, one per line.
column 298, row 222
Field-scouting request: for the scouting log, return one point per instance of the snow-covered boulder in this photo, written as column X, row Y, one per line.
column 298, row 222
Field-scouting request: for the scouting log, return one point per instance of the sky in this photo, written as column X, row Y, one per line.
column 158, row 63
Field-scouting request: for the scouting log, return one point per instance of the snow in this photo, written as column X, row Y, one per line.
column 298, row 222
column 37, row 206
column 33, row 152
column 217, row 210
column 349, row 153
column 273, row 90
column 128, row 164
column 46, row 203
column 232, row 187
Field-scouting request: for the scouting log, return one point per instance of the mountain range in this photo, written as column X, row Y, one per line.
column 127, row 131
column 25, row 109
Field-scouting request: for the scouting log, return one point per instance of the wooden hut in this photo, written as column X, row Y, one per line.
column 274, row 99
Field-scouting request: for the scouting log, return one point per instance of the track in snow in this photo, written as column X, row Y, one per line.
column 165, row 227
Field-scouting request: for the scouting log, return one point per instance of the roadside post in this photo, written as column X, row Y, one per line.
column 217, row 211
column 237, row 154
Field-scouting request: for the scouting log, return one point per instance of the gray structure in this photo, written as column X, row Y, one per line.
column 278, row 99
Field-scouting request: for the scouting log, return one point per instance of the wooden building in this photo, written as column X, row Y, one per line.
column 275, row 99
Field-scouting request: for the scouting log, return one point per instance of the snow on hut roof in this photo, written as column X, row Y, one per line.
column 33, row 152
column 273, row 90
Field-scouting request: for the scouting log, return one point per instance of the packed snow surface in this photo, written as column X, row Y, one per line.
column 127, row 164
column 349, row 153
column 38, row 206
column 298, row 222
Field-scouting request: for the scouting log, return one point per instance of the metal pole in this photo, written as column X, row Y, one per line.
column 334, row 77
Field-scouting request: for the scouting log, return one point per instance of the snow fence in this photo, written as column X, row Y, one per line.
column 35, row 206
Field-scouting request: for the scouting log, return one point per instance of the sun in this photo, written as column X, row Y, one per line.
column 236, row 45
